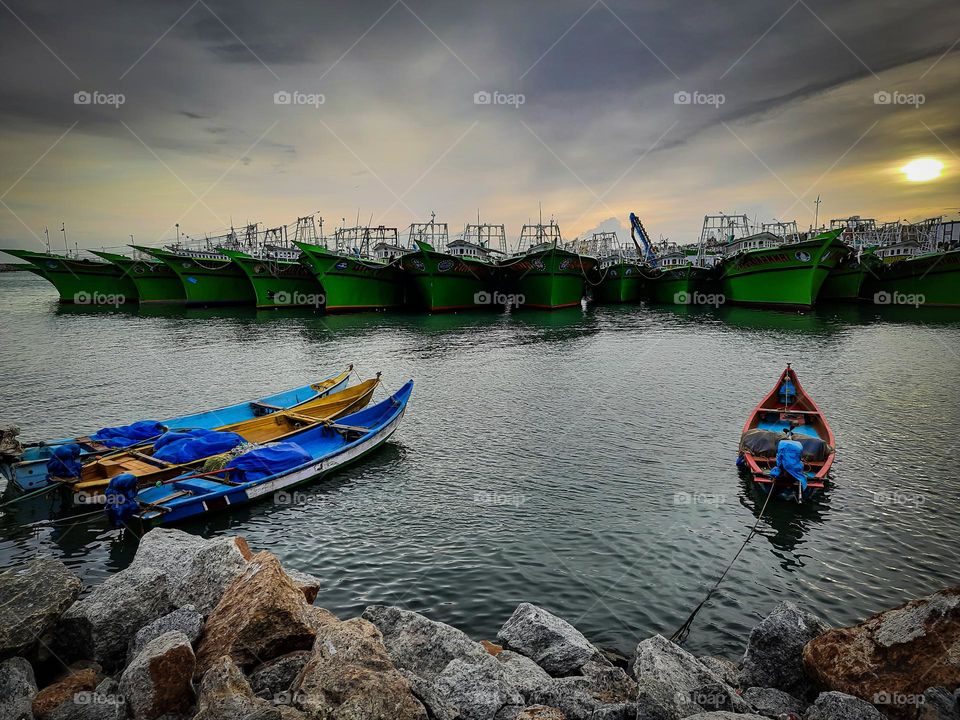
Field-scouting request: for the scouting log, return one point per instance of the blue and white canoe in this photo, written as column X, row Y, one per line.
column 304, row 457
column 29, row 472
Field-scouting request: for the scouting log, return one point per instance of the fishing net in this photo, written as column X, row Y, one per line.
column 219, row 462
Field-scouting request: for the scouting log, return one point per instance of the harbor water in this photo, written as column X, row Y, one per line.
column 581, row 460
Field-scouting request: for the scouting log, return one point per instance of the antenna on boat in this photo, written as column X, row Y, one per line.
column 178, row 233
column 46, row 232
column 816, row 215
column 63, row 229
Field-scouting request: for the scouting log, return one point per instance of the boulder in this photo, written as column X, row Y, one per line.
column 840, row 706
column 421, row 645
column 52, row 696
column 273, row 679
column 695, row 686
column 602, row 692
column 350, row 675
column 897, row 653
column 725, row 715
column 727, row 670
column 773, row 703
column 774, row 655
column 104, row 703
column 224, row 694
column 658, row 701
column 523, row 673
column 318, row 617
column 540, row 712
column 938, row 704
column 553, row 643
column 101, row 624
column 308, row 584
column 262, row 615
column 184, row 619
column 158, row 680
column 18, row 687
column 437, row 707
column 34, row 594
column 477, row 690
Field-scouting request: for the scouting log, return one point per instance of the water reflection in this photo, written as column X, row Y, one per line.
column 784, row 523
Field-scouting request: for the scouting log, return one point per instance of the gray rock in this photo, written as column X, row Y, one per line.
column 602, row 692
column 273, row 679
column 159, row 680
column 551, row 642
column 224, row 694
column 657, row 701
column 478, row 690
column 18, row 686
column 523, row 673
column 34, row 595
column 695, row 686
column 424, row 691
column 91, row 706
column 725, row 715
column 773, row 703
column 185, row 619
column 421, row 645
column 101, row 624
column 210, row 570
column 939, row 704
column 774, row 655
column 727, row 670
column 309, row 584
column 531, row 712
column 840, row 706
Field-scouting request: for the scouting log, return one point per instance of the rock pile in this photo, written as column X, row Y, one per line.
column 201, row 629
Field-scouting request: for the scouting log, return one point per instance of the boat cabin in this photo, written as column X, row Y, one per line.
column 898, row 251
column 757, row 241
column 387, row 251
column 464, row 248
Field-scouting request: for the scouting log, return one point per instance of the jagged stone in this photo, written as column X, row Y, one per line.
column 603, row 692
column 35, row 594
column 309, row 584
column 938, row 704
column 159, row 680
column 725, row 715
column 727, row 670
column 840, row 706
column 773, row 703
column 52, row 696
column 551, row 642
column 104, row 703
column 478, row 690
column 224, row 694
column 657, row 701
column 185, row 619
column 523, row 673
column 18, row 687
column 272, row 679
column 774, row 655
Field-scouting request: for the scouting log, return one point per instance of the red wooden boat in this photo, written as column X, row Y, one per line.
column 787, row 408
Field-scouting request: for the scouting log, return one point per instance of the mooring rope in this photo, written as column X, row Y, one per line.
column 31, row 494
column 684, row 630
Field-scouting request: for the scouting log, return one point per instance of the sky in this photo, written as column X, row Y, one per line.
column 120, row 119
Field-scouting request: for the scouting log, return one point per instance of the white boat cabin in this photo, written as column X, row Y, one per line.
column 465, row 248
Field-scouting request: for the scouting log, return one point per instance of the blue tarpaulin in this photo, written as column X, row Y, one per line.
column 789, row 454
column 121, row 501
column 196, row 444
column 126, row 435
column 266, row 461
column 788, row 392
column 64, row 461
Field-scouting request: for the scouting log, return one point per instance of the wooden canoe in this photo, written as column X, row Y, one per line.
column 788, row 405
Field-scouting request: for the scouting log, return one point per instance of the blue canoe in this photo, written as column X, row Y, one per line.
column 30, row 471
column 321, row 450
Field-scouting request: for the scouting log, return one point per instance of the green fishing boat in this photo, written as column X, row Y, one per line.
column 761, row 269
column 847, row 281
column 156, row 283
column 361, row 273
column 80, row 281
column 621, row 278
column 546, row 275
column 460, row 278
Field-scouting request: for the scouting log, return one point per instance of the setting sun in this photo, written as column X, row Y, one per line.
column 922, row 169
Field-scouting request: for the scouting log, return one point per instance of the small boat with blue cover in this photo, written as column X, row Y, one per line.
column 29, row 470
column 787, row 445
column 301, row 458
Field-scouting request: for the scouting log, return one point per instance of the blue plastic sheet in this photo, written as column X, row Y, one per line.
column 121, row 501
column 126, row 435
column 788, row 392
column 789, row 460
column 196, row 444
column 266, row 461
column 64, row 461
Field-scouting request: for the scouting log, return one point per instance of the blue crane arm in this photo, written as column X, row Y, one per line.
column 636, row 228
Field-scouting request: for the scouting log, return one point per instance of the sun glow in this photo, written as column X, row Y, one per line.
column 922, row 169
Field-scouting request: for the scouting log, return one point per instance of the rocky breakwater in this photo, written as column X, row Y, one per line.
column 201, row 629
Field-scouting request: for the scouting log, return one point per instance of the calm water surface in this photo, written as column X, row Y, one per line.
column 582, row 461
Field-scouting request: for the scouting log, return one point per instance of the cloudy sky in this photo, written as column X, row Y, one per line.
column 123, row 118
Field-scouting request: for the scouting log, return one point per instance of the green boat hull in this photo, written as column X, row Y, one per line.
column 81, row 282
column 677, row 286
column 845, row 283
column 439, row 282
column 935, row 277
column 208, row 281
column 548, row 279
column 620, row 283
column 279, row 283
column 788, row 276
column 156, row 283
column 351, row 284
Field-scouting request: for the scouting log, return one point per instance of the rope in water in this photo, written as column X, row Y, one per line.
column 34, row 493
column 684, row 630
